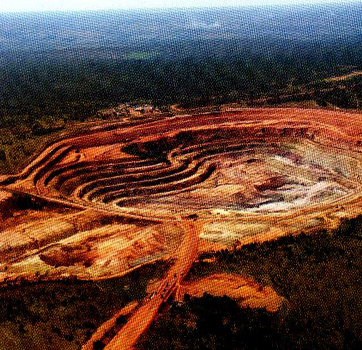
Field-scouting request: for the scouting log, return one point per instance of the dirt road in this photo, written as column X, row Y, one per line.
column 144, row 316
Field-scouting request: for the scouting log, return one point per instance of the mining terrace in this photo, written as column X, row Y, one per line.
column 121, row 195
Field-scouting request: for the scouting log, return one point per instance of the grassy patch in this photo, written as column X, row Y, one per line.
column 17, row 148
column 140, row 55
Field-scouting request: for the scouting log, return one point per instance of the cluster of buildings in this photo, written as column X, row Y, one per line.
column 128, row 110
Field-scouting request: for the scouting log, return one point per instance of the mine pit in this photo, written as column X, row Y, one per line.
column 247, row 175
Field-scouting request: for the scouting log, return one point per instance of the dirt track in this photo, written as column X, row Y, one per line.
column 144, row 316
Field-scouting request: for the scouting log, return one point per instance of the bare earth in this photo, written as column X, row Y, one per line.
column 105, row 203
column 243, row 289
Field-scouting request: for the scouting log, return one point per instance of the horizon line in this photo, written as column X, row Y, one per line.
column 186, row 8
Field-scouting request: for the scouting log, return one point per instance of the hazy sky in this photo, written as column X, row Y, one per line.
column 69, row 5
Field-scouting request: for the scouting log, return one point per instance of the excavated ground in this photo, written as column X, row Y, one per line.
column 248, row 175
column 243, row 289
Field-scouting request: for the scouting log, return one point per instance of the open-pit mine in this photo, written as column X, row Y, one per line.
column 120, row 195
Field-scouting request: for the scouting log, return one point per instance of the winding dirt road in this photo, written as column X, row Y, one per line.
column 144, row 316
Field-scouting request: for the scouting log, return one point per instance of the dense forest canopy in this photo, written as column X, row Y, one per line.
column 73, row 63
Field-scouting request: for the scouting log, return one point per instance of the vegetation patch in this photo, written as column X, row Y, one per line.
column 65, row 314
column 320, row 275
column 140, row 55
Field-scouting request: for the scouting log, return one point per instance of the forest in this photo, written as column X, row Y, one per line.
column 319, row 275
column 64, row 314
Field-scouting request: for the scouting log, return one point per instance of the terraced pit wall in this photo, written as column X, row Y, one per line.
column 249, row 175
